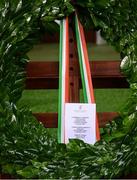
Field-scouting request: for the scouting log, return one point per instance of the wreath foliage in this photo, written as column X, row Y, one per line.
column 26, row 148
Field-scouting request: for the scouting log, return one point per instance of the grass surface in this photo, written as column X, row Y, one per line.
column 47, row 100
column 102, row 52
column 50, row 52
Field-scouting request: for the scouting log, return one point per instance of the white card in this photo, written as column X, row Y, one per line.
column 80, row 122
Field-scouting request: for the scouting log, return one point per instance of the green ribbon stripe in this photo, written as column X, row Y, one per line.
column 60, row 83
column 80, row 60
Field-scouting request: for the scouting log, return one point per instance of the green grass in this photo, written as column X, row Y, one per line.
column 111, row 100
column 44, row 52
column 50, row 52
column 40, row 100
column 102, row 52
column 107, row 100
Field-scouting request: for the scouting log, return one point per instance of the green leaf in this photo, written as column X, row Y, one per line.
column 28, row 172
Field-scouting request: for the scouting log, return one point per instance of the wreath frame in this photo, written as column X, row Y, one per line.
column 27, row 150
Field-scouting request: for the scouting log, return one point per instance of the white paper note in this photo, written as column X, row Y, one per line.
column 80, row 122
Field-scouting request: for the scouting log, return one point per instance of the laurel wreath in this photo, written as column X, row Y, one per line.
column 26, row 148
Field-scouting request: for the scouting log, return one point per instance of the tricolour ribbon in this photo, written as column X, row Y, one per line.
column 85, row 69
column 63, row 77
column 64, row 74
